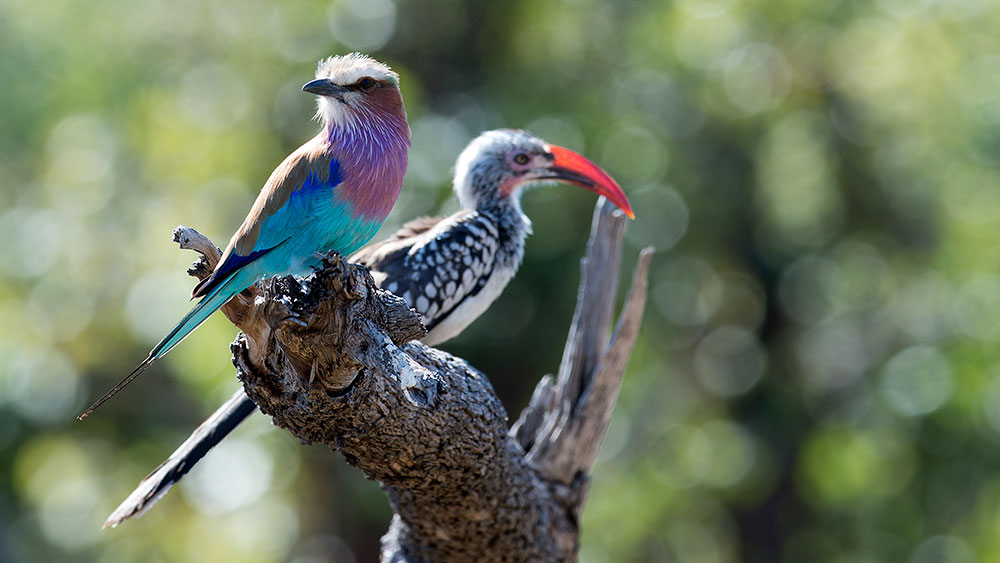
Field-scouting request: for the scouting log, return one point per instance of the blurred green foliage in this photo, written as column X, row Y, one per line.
column 818, row 377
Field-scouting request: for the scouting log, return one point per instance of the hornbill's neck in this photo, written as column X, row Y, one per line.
column 513, row 227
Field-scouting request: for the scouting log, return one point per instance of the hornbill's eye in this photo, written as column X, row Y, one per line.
column 366, row 84
column 521, row 158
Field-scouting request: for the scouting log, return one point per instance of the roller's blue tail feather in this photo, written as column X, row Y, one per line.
column 237, row 282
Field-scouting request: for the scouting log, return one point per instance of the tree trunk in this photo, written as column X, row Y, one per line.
column 333, row 360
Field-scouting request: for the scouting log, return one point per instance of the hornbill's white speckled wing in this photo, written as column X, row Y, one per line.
column 435, row 264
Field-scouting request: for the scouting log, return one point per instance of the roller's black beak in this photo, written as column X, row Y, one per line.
column 324, row 87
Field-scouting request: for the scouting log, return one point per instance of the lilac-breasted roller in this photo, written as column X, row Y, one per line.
column 333, row 193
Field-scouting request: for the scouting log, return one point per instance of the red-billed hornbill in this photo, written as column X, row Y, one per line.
column 449, row 269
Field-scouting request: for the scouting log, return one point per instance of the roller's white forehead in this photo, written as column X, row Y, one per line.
column 348, row 69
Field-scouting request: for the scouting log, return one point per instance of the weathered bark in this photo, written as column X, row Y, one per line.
column 563, row 426
column 331, row 359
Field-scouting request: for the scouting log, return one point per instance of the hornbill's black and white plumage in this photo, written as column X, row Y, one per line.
column 451, row 269
column 448, row 269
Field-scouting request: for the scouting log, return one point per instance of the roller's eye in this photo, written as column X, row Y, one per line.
column 521, row 158
column 366, row 84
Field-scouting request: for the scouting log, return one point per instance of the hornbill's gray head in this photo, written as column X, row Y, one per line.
column 495, row 165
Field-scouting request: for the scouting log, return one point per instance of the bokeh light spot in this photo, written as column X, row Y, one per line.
column 41, row 384
column 943, row 549
column 733, row 453
column 917, row 381
column 149, row 314
column 729, row 361
column 831, row 357
column 213, row 96
column 976, row 308
column 58, row 480
column 687, row 291
column 663, row 218
column 840, row 467
column 234, row 474
column 798, row 195
column 364, row 25
column 634, row 154
column 756, row 78
column 804, row 290
column 32, row 241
